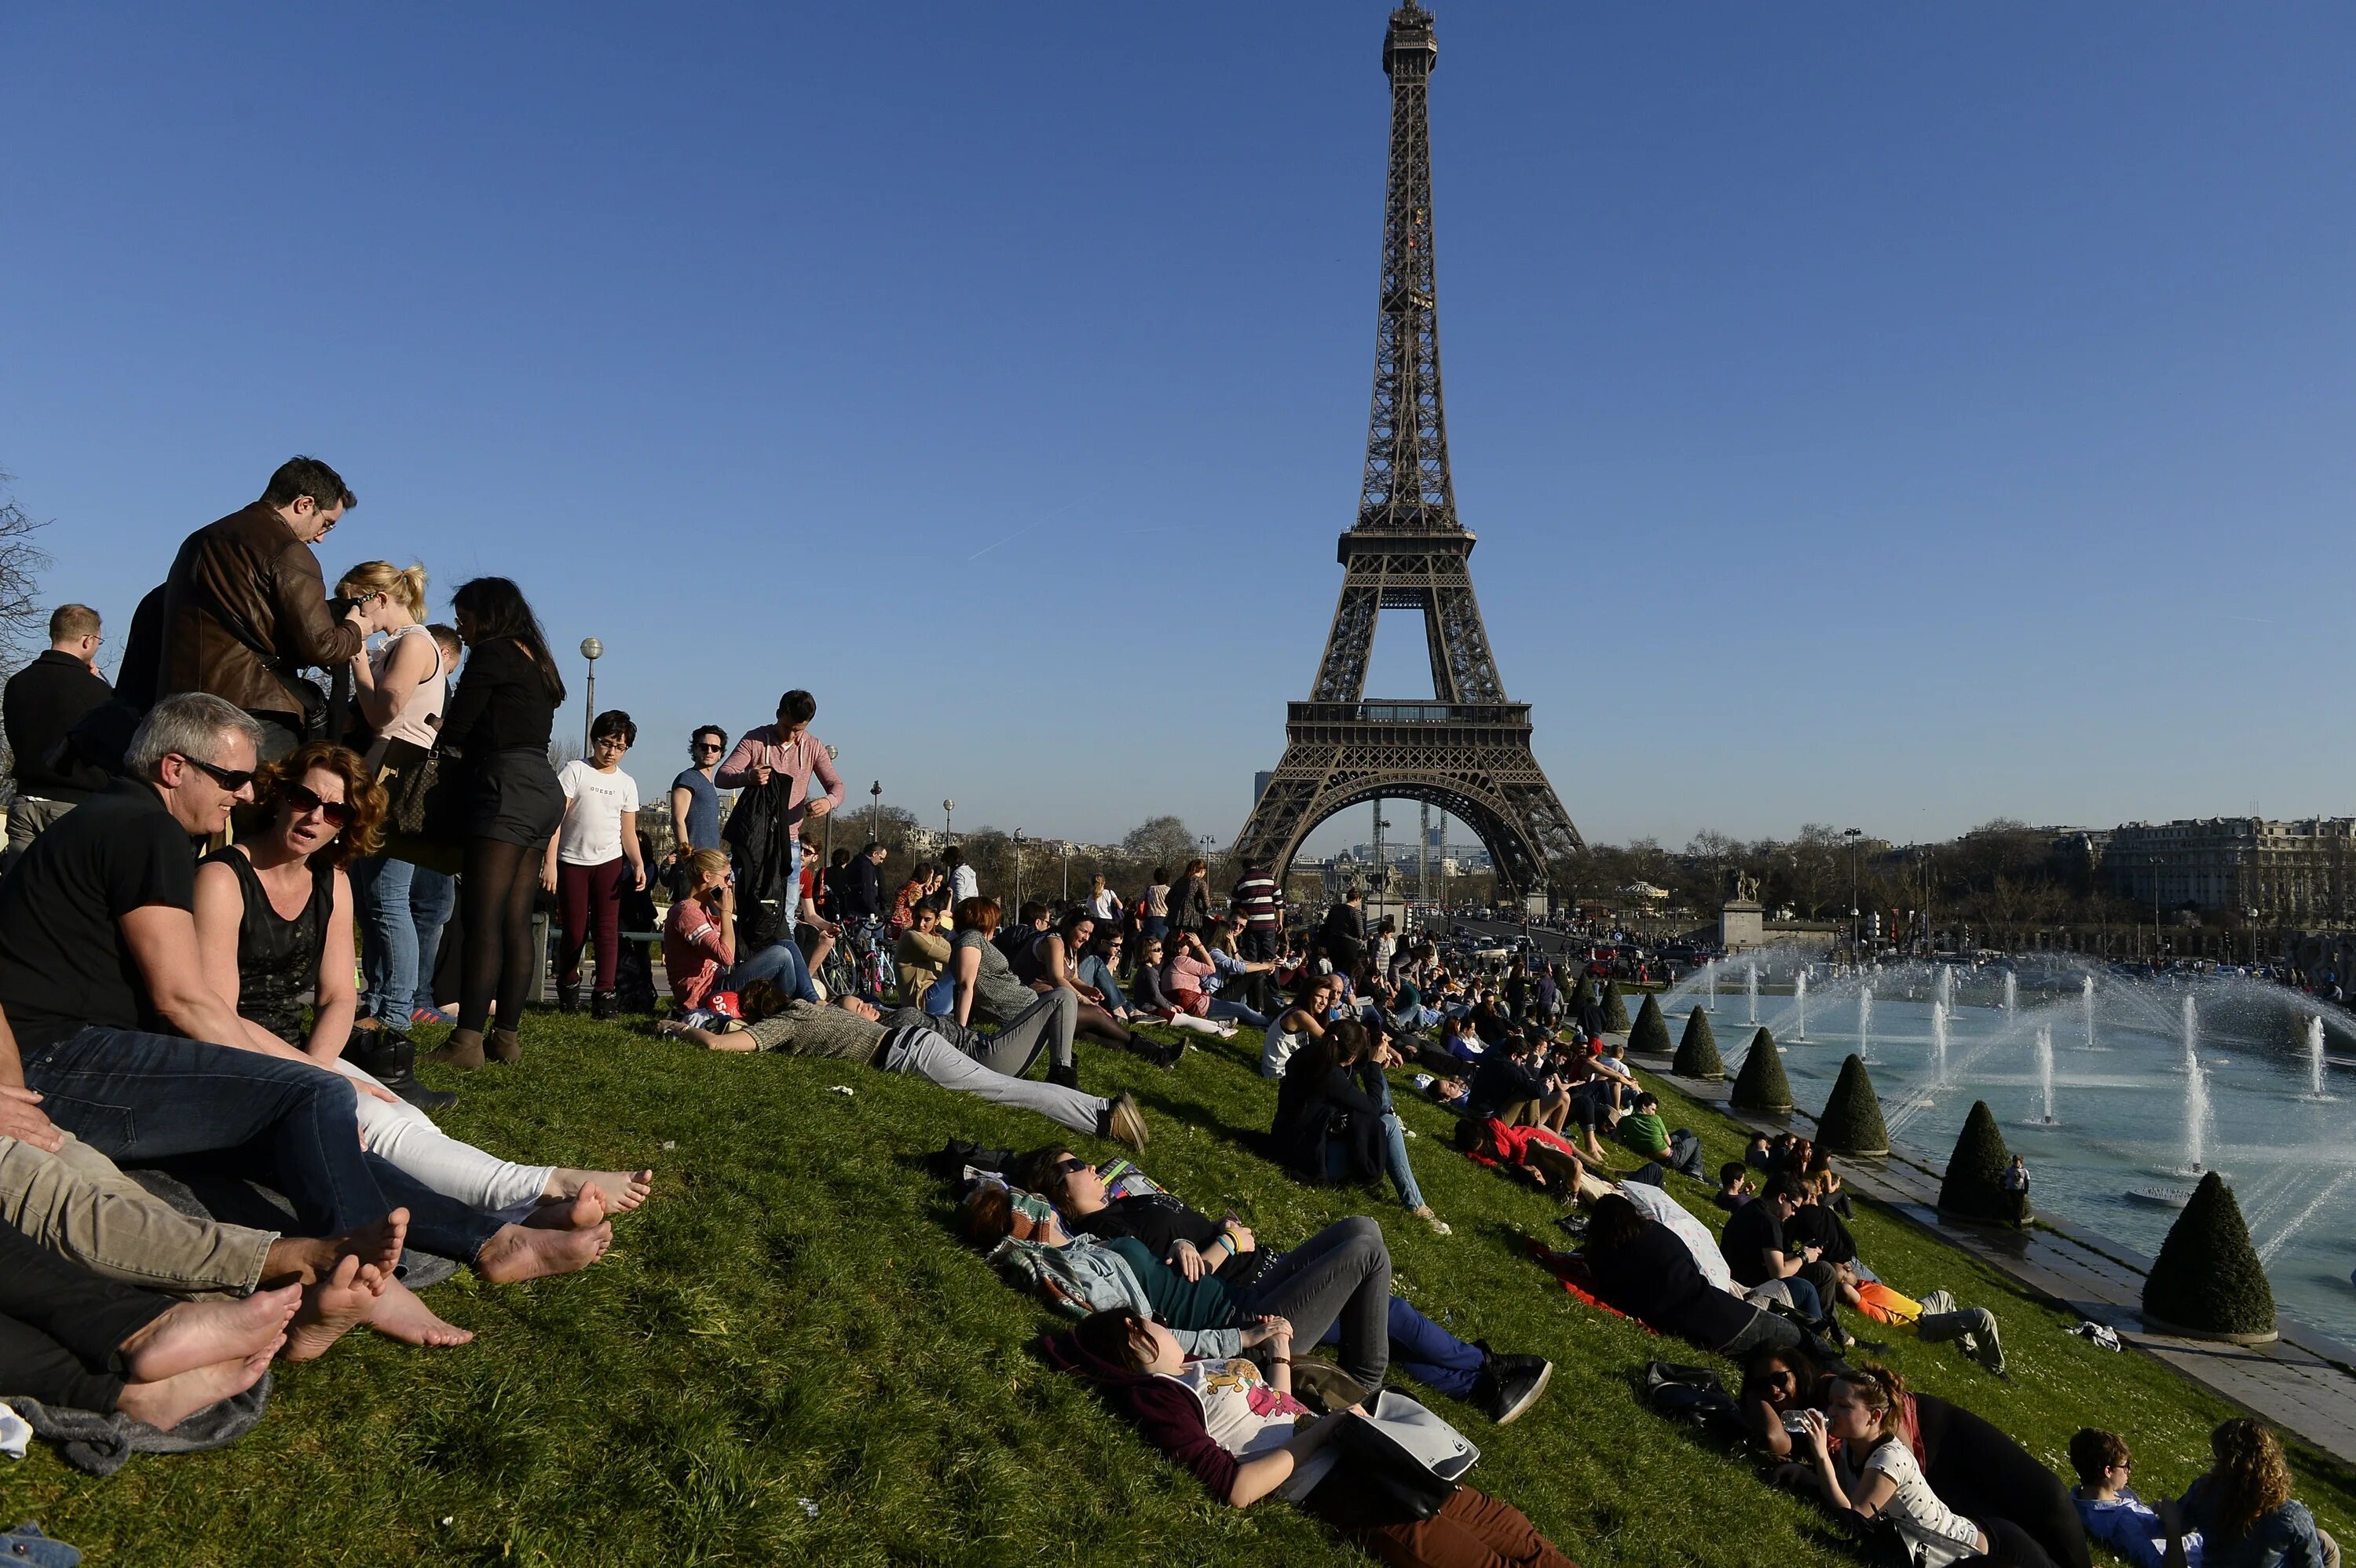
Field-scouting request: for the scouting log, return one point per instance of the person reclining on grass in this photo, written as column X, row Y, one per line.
column 907, row 1041
column 317, row 808
column 1644, row 1130
column 2241, row 1507
column 75, row 1341
column 1245, row 1437
column 1543, row 1155
column 1884, row 1478
column 1644, row 1269
column 1198, row 1247
column 2109, row 1508
column 1936, row 1317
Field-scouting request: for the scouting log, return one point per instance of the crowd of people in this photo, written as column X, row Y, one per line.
column 199, row 853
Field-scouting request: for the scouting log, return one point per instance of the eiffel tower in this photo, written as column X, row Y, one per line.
column 1466, row 750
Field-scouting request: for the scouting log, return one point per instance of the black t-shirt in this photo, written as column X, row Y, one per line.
column 1813, row 1224
column 1654, row 1280
column 63, row 962
column 1156, row 1219
column 1749, row 1231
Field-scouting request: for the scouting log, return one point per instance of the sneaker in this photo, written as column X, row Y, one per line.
column 1509, row 1385
column 568, row 998
column 1067, row 1076
column 602, row 1005
column 427, row 1016
column 1439, row 1226
column 1124, row 1122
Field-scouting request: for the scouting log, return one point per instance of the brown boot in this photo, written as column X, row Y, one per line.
column 462, row 1050
column 504, row 1047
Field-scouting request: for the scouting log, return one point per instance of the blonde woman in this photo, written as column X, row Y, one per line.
column 399, row 687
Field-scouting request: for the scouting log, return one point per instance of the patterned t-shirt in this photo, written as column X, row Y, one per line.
column 1249, row 1418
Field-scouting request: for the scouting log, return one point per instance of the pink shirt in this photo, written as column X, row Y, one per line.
column 694, row 947
column 1187, row 973
column 797, row 759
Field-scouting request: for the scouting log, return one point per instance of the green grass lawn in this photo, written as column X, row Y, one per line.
column 789, row 1357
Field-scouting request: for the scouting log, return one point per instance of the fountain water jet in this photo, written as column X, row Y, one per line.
column 1864, row 1025
column 1939, row 1043
column 2011, row 992
column 2045, row 1076
column 1800, row 992
column 2087, row 1001
column 1710, row 969
column 2281, row 1238
column 1751, row 990
column 2314, row 1057
column 1942, row 990
column 2195, row 1093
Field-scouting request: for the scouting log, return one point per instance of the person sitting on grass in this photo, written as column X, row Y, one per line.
column 920, row 956
column 2241, row 1507
column 1295, row 1026
column 1733, row 1186
column 1641, row 1268
column 1153, row 1000
column 988, row 993
column 1761, row 1153
column 1335, row 1121
column 908, row 1041
column 2109, row 1508
column 1643, row 1130
column 1100, row 968
column 1864, row 1409
column 1225, row 1250
column 273, row 920
column 1509, row 1085
column 1755, row 1248
column 1050, row 961
column 1245, row 1437
column 75, row 1341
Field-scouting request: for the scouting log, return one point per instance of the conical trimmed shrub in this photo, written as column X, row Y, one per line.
column 1760, row 1086
column 1615, row 1008
column 2208, row 1277
column 1852, row 1120
column 1697, row 1054
column 1652, row 1031
column 1974, row 1186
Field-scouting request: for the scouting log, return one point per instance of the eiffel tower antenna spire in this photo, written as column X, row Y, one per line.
column 1467, row 750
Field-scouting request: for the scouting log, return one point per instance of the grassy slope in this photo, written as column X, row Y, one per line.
column 792, row 1319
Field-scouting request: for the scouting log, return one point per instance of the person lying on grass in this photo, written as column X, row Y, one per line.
column 2109, row 1508
column 1644, row 1269
column 1198, row 1247
column 1937, row 1317
column 907, row 1041
column 1245, row 1437
column 273, row 913
column 1864, row 1409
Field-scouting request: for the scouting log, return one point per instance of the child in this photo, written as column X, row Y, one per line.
column 698, row 936
column 2114, row 1515
column 594, row 847
column 1733, row 1185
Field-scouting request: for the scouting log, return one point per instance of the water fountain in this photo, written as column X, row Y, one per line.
column 2086, row 1000
column 1709, row 970
column 1751, row 990
column 2315, row 1089
column 1939, row 1044
column 2281, row 1238
column 1942, row 989
column 1800, row 995
column 1864, row 1025
column 2011, row 992
column 2045, row 1076
column 2195, row 1093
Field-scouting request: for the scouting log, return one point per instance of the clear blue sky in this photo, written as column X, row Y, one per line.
column 1886, row 416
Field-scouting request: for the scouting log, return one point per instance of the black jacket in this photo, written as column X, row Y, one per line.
column 760, row 846
column 40, row 703
column 1315, row 1110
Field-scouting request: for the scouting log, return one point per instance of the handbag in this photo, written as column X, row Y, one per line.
column 425, row 803
column 1399, row 1463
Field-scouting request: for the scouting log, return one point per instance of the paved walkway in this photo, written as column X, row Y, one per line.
column 2302, row 1382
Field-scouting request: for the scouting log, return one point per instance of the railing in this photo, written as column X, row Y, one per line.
column 1377, row 712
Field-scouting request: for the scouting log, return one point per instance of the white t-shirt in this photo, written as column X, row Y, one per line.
column 1658, row 1205
column 593, row 827
column 1248, row 1417
column 1939, row 1534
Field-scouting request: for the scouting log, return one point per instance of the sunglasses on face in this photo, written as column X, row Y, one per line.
column 705, row 746
column 1069, row 1164
column 302, row 801
column 230, row 779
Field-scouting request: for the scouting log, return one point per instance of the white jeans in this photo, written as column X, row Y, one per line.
column 405, row 1135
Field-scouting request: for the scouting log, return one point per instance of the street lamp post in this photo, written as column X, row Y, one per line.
column 1018, row 868
column 1852, row 835
column 875, row 812
column 1067, row 870
column 593, row 650
column 948, row 812
column 2155, row 912
column 831, row 753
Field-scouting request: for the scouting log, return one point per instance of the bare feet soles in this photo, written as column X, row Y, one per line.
column 623, row 1190
column 165, row 1404
column 578, row 1212
column 307, row 1260
column 333, row 1308
column 402, row 1315
column 193, row 1334
column 522, row 1252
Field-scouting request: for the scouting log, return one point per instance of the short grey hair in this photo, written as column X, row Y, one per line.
column 188, row 724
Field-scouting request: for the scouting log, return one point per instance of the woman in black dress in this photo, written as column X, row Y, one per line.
column 497, row 729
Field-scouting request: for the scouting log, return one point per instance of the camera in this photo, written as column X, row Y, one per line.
column 339, row 606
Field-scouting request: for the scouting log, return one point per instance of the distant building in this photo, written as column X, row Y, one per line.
column 2298, row 872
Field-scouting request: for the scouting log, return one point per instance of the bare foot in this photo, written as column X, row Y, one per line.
column 164, row 1405
column 307, row 1260
column 192, row 1334
column 623, row 1190
column 578, row 1212
column 401, row 1314
column 519, row 1251
column 334, row 1307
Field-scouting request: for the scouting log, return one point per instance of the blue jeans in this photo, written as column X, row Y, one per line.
column 402, row 910
column 1426, row 1352
column 138, row 1098
column 781, row 961
column 1804, row 1299
column 1337, row 1160
column 1223, row 1008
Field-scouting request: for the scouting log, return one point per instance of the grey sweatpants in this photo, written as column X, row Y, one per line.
column 1341, row 1273
column 1973, row 1326
column 1048, row 1022
column 928, row 1056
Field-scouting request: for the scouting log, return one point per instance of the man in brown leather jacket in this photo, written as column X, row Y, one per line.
column 245, row 607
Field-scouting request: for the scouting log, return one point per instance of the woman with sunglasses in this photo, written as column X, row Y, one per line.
column 274, row 919
column 400, row 688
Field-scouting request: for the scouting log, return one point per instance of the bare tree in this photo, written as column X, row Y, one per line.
column 22, row 562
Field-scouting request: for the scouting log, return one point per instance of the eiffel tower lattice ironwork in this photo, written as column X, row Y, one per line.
column 1466, row 750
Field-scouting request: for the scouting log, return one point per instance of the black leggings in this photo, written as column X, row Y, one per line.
column 1979, row 1471
column 1095, row 1023
column 500, row 880
column 61, row 1326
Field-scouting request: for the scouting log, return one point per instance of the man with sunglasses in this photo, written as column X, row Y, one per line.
column 101, row 981
column 695, row 799
column 245, row 607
